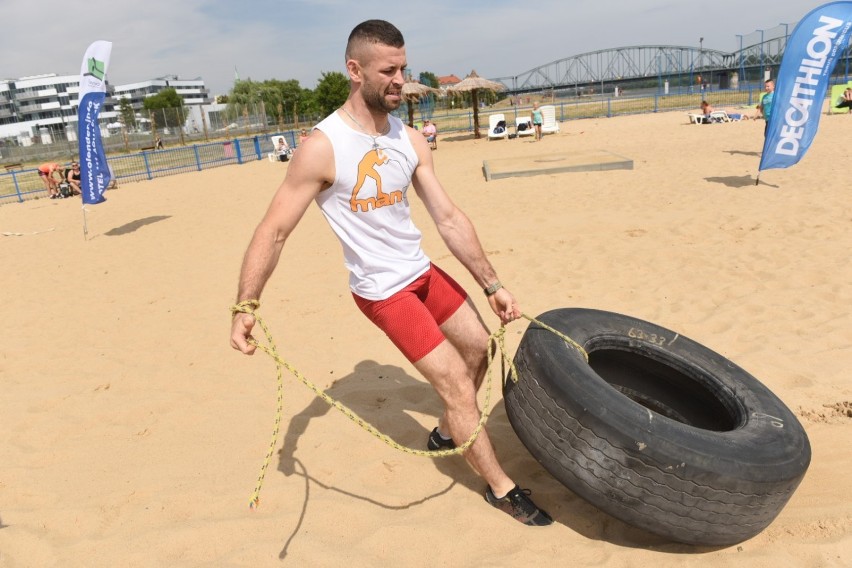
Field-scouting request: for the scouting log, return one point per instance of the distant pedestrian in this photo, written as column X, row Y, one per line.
column 765, row 105
column 537, row 121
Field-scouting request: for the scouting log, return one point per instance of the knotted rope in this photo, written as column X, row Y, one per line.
column 496, row 342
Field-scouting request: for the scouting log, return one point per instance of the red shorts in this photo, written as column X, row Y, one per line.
column 412, row 317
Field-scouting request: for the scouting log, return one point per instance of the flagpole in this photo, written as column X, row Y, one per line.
column 85, row 225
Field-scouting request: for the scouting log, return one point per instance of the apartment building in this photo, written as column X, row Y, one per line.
column 44, row 107
column 192, row 91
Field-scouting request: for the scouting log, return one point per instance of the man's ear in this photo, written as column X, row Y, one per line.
column 353, row 68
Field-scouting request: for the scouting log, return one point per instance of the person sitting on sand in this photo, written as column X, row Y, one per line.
column 846, row 100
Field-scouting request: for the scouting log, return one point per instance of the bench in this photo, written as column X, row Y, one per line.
column 147, row 148
column 10, row 167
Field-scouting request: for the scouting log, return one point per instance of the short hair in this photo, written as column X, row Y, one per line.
column 373, row 32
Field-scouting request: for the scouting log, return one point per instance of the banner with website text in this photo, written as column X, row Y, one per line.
column 809, row 58
column 94, row 172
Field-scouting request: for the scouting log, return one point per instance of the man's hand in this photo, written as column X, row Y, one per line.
column 241, row 333
column 503, row 304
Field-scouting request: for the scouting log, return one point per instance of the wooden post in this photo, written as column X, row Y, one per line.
column 153, row 119
column 204, row 123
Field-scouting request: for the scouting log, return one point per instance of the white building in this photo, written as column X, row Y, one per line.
column 192, row 91
column 45, row 106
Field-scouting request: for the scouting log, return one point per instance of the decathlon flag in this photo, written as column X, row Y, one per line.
column 94, row 173
column 809, row 58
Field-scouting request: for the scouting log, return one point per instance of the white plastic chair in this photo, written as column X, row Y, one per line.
column 494, row 121
column 549, row 125
column 529, row 131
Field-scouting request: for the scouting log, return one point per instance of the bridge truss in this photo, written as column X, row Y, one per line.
column 624, row 65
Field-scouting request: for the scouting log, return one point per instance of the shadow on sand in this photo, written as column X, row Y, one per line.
column 134, row 225
column 394, row 396
column 738, row 181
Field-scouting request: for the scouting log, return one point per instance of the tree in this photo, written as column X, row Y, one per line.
column 125, row 111
column 283, row 95
column 331, row 92
column 430, row 79
column 170, row 105
column 244, row 99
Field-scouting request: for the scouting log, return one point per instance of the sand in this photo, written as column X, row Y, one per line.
column 132, row 434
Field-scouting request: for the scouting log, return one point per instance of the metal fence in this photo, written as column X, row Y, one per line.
column 24, row 183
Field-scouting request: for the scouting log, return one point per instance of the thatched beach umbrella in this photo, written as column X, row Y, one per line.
column 474, row 83
column 413, row 91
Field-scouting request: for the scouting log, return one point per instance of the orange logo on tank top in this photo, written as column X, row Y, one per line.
column 367, row 169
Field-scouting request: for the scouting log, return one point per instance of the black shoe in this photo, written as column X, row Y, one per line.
column 518, row 504
column 436, row 442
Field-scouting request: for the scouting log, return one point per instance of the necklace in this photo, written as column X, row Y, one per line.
column 364, row 130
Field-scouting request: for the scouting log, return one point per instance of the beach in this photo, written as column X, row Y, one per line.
column 133, row 434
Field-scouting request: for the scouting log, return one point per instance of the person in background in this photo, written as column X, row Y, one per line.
column 72, row 177
column 51, row 174
column 537, row 121
column 282, row 150
column 765, row 104
column 430, row 131
column 706, row 110
column 303, row 136
column 846, row 99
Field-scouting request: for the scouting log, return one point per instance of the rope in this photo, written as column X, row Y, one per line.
column 496, row 342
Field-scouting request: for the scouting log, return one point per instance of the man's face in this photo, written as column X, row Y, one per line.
column 382, row 75
column 770, row 86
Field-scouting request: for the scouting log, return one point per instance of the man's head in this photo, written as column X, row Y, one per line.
column 372, row 32
column 375, row 60
column 769, row 85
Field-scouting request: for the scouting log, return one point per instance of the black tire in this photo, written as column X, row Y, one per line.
column 656, row 429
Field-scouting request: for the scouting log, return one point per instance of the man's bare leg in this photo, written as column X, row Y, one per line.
column 455, row 369
column 448, row 373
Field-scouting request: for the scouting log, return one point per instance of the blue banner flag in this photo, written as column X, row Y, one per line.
column 94, row 172
column 803, row 78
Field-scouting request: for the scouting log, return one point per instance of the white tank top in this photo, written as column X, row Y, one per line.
column 367, row 208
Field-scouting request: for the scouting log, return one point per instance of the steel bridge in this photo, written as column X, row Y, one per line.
column 657, row 63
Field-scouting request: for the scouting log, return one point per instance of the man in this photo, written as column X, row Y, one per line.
column 72, row 177
column 430, row 132
column 765, row 105
column 422, row 310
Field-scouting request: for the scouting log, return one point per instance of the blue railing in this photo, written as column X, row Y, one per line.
column 149, row 164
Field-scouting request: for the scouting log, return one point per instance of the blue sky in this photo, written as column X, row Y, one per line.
column 300, row 39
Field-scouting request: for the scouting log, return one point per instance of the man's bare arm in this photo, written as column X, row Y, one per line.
column 458, row 233
column 309, row 172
